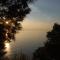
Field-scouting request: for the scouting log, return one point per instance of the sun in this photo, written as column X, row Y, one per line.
column 7, row 22
column 7, row 45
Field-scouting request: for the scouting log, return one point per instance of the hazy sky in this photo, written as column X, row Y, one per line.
column 45, row 10
column 43, row 14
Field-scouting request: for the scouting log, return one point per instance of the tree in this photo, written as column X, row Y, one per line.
column 53, row 44
column 14, row 8
column 51, row 50
column 11, row 13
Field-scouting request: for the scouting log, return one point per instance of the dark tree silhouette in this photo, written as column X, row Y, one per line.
column 51, row 50
column 11, row 13
column 14, row 8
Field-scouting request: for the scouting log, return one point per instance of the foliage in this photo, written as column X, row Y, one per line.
column 51, row 50
column 11, row 13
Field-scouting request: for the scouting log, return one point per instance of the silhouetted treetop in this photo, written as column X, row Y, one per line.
column 54, row 35
column 51, row 50
column 14, row 8
column 11, row 13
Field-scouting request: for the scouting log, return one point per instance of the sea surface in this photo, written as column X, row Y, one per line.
column 26, row 41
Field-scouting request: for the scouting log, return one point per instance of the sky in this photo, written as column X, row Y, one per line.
column 43, row 11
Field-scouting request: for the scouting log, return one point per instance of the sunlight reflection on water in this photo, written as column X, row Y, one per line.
column 7, row 46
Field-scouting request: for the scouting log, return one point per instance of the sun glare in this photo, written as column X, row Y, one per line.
column 7, row 45
column 8, row 50
column 6, row 22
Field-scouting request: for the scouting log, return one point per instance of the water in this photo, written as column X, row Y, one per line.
column 28, row 39
column 26, row 42
column 32, row 36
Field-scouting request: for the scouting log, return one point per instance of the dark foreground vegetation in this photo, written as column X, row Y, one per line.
column 12, row 12
column 51, row 50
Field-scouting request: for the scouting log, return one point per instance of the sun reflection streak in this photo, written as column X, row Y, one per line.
column 7, row 45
